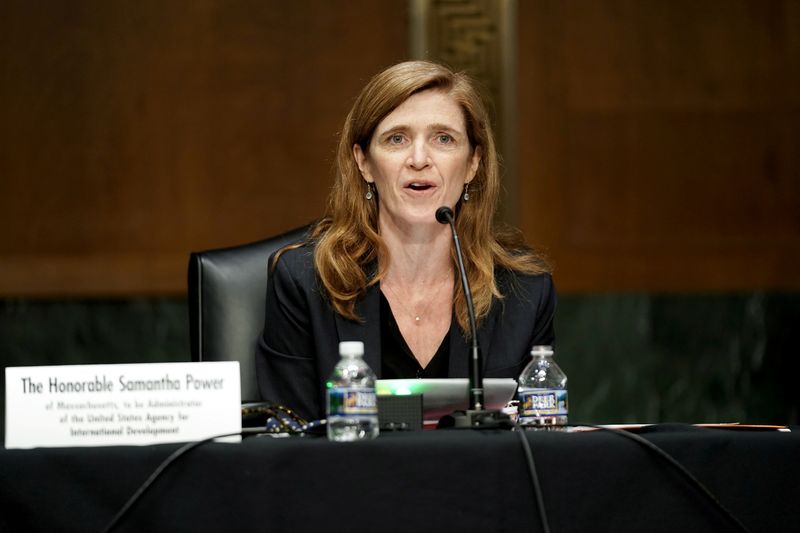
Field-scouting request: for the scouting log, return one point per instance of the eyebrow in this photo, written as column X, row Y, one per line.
column 434, row 126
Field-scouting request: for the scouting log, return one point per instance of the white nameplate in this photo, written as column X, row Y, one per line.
column 115, row 405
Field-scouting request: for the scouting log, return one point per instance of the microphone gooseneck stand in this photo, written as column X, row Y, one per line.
column 476, row 416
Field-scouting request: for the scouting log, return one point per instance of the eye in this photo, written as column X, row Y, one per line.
column 444, row 138
column 396, row 138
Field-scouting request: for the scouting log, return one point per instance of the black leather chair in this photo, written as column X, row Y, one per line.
column 227, row 291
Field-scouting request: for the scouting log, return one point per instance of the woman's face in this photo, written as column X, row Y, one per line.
column 419, row 158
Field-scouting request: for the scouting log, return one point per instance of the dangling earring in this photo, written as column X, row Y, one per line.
column 466, row 192
column 369, row 194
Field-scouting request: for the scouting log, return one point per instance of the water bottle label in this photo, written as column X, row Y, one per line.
column 352, row 402
column 544, row 402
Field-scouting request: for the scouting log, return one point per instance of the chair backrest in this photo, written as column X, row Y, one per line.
column 226, row 297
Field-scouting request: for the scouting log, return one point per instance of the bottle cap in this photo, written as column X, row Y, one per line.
column 541, row 351
column 351, row 348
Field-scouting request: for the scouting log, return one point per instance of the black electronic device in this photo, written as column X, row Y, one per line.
column 400, row 413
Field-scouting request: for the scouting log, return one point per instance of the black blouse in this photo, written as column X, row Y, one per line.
column 397, row 359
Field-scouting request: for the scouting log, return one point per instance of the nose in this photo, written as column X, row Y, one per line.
column 418, row 159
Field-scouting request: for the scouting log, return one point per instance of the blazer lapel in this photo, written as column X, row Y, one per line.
column 460, row 344
column 367, row 331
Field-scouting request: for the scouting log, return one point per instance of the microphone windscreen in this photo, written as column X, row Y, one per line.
column 444, row 214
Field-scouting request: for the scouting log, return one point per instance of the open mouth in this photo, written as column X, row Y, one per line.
column 420, row 186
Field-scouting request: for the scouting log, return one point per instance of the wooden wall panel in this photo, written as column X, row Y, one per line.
column 135, row 132
column 660, row 142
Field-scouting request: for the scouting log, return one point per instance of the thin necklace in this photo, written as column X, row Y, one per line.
column 417, row 316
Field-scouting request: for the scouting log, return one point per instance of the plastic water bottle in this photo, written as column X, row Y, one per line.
column 542, row 391
column 351, row 400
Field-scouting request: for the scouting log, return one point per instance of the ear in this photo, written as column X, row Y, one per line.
column 361, row 161
column 474, row 164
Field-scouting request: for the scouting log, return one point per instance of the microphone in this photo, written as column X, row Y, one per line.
column 444, row 215
column 475, row 416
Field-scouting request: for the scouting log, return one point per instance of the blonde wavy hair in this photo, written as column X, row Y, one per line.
column 347, row 241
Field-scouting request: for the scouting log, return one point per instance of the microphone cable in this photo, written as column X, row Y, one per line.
column 537, row 487
column 682, row 471
column 282, row 420
column 174, row 456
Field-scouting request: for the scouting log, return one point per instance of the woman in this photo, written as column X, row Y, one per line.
column 379, row 268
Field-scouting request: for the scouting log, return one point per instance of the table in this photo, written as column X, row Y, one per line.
column 446, row 480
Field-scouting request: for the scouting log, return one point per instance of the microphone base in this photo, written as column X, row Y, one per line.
column 471, row 419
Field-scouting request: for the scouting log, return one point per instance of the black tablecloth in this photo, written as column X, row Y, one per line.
column 425, row 481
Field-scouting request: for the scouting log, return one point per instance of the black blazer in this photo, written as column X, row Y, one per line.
column 299, row 345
